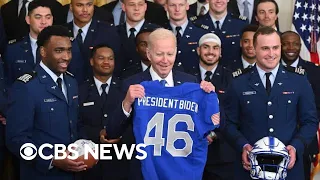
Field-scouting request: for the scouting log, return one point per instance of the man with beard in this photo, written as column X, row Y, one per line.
column 98, row 97
column 22, row 56
column 248, row 54
column 187, row 34
column 227, row 26
column 47, row 99
column 291, row 46
column 141, row 48
column 220, row 159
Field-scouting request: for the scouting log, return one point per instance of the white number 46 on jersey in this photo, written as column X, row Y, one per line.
column 173, row 135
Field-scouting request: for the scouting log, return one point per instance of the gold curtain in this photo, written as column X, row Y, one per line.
column 63, row 2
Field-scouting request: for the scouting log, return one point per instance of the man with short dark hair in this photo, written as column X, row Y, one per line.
column 291, row 47
column 248, row 54
column 98, row 98
column 263, row 101
column 22, row 56
column 48, row 100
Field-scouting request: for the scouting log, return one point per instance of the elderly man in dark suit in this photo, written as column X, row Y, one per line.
column 161, row 53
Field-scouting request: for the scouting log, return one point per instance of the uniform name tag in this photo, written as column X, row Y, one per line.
column 21, row 61
column 50, row 100
column 88, row 104
column 247, row 93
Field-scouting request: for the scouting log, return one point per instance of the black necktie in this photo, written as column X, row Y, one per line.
column 178, row 35
column 208, row 75
column 59, row 82
column 132, row 36
column 122, row 20
column 23, row 11
column 218, row 26
column 268, row 83
column 104, row 94
column 38, row 56
column 79, row 37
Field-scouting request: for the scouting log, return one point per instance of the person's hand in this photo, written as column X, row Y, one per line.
column 3, row 120
column 134, row 91
column 245, row 152
column 69, row 165
column 292, row 154
column 211, row 137
column 104, row 140
column 207, row 86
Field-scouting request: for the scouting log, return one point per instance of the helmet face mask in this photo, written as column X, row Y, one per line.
column 269, row 159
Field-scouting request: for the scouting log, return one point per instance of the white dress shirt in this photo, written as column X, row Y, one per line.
column 84, row 30
column 246, row 63
column 183, row 28
column 250, row 6
column 137, row 27
column 294, row 64
column 199, row 6
column 20, row 6
column 203, row 72
column 221, row 21
column 263, row 75
column 34, row 46
column 99, row 83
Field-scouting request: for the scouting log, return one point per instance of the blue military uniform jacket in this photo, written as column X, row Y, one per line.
column 39, row 113
column 230, row 35
column 128, row 48
column 187, row 56
column 19, row 59
column 3, row 107
column 93, row 117
column 219, row 151
column 99, row 32
column 288, row 113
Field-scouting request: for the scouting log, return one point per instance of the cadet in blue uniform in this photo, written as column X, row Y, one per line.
column 220, row 161
column 21, row 57
column 134, row 23
column 248, row 55
column 270, row 100
column 141, row 48
column 227, row 26
column 88, row 32
column 267, row 13
column 187, row 34
column 291, row 47
column 47, row 100
column 98, row 98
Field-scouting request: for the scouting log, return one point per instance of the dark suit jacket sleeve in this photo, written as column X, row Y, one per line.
column 307, row 116
column 2, row 37
column 19, row 128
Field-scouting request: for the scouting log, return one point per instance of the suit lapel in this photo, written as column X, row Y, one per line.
column 93, row 94
column 70, row 89
column 91, row 34
column 51, row 86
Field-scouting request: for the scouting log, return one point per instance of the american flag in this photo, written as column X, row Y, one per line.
column 306, row 21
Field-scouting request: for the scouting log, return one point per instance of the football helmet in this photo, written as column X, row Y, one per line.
column 269, row 159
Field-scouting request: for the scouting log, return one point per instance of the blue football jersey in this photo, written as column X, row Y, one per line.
column 173, row 122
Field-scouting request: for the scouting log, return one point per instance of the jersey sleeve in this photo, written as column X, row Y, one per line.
column 210, row 115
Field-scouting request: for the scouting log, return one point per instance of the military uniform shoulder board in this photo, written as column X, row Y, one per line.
column 244, row 18
column 298, row 70
column 193, row 18
column 26, row 77
column 69, row 73
column 204, row 26
column 239, row 72
column 12, row 41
